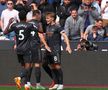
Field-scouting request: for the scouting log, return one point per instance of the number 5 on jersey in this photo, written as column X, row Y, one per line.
column 21, row 35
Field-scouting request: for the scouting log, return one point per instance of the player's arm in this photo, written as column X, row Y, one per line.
column 40, row 30
column 42, row 38
column 8, row 30
column 66, row 40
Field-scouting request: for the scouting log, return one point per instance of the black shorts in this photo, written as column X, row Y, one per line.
column 20, row 59
column 24, row 58
column 32, row 56
column 53, row 58
column 36, row 55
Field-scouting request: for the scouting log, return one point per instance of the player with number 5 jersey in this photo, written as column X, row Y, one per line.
column 24, row 32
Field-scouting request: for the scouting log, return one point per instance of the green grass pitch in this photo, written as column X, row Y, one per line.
column 14, row 88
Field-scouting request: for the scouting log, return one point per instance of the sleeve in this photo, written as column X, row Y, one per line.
column 17, row 16
column 81, row 11
column 8, row 30
column 66, row 27
column 95, row 14
column 82, row 25
column 88, row 29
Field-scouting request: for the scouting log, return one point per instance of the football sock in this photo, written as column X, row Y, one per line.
column 60, row 76
column 47, row 70
column 23, row 73
column 37, row 74
column 30, row 72
column 55, row 75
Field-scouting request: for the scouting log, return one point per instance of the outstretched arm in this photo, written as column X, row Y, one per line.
column 6, row 31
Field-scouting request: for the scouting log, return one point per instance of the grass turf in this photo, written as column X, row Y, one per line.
column 14, row 88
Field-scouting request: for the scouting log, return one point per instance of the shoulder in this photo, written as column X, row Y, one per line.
column 80, row 18
column 14, row 25
column 30, row 12
column 90, row 26
column 34, row 22
column 15, row 11
column 29, row 24
column 69, row 19
column 4, row 11
column 57, row 26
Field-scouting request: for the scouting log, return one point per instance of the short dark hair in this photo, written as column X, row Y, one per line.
column 99, row 19
column 36, row 12
column 73, row 9
column 9, row 0
column 51, row 14
column 22, row 15
column 94, row 27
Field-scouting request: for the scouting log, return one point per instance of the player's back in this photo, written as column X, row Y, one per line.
column 34, row 40
column 22, row 31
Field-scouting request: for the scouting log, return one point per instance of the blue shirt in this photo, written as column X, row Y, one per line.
column 2, row 7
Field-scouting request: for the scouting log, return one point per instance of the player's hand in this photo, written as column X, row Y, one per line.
column 15, row 47
column 68, row 49
column 48, row 48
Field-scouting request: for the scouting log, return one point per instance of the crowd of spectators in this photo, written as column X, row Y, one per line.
column 81, row 19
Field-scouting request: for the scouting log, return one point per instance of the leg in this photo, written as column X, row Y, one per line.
column 38, row 76
column 47, row 69
column 36, row 59
column 59, row 77
column 27, row 77
column 56, row 68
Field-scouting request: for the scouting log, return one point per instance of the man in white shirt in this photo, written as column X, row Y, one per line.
column 104, row 9
column 6, row 15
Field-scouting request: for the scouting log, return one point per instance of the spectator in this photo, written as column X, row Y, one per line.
column 88, row 13
column 100, row 29
column 85, row 45
column 63, row 11
column 94, row 36
column 96, row 5
column 6, row 15
column 2, row 7
column 106, row 33
column 104, row 8
column 99, row 2
column 20, row 5
column 34, row 6
column 74, row 26
column 76, row 3
column 45, row 7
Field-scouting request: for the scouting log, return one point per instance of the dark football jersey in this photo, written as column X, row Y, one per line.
column 35, row 40
column 22, row 31
column 53, row 37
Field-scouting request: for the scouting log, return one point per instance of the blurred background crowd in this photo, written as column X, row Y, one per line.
column 86, row 19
